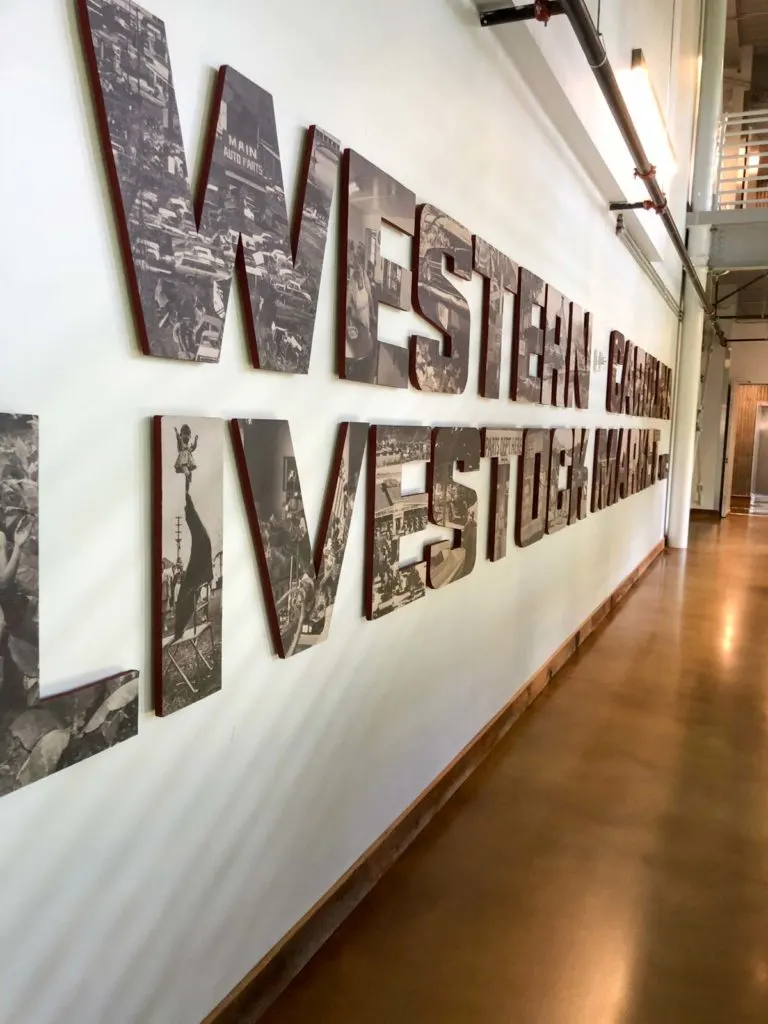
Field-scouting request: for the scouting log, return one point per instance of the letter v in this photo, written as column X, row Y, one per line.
column 299, row 589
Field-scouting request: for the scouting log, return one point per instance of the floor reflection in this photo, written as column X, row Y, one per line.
column 609, row 862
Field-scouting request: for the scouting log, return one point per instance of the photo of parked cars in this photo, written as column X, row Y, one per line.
column 392, row 515
column 182, row 256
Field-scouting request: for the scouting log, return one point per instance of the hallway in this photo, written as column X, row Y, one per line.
column 609, row 861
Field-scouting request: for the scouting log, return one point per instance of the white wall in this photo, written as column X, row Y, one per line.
column 749, row 362
column 707, row 475
column 143, row 884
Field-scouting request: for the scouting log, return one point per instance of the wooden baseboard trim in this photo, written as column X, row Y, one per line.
column 246, row 1003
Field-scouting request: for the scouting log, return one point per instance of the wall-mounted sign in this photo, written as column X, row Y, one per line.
column 180, row 259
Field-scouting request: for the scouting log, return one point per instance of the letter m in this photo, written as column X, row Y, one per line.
column 181, row 256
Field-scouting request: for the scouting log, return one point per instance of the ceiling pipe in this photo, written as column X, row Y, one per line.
column 541, row 11
column 581, row 21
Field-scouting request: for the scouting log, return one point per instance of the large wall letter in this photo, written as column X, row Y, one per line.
column 664, row 391
column 622, row 481
column 579, row 367
column 442, row 304
column 638, row 401
column 641, row 476
column 638, row 383
column 299, row 589
column 604, row 473
column 392, row 515
column 187, row 570
column 528, row 338
column 651, row 383
column 370, row 198
column 452, row 504
column 616, row 348
column 557, row 315
column 667, row 393
column 41, row 735
column 500, row 445
column 627, row 401
column 181, row 259
column 652, row 457
column 559, row 498
column 633, row 461
column 500, row 275
column 532, row 490
column 578, row 477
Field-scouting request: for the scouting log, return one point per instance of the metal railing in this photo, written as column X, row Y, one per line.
column 742, row 166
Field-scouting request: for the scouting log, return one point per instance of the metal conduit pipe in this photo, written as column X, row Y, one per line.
column 578, row 14
column 647, row 267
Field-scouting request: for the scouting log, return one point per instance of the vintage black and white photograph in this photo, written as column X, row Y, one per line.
column 605, row 471
column 556, row 326
column 651, row 385
column 623, row 476
column 638, row 405
column 528, row 338
column 370, row 198
column 300, row 586
column 40, row 736
column 653, row 466
column 390, row 583
column 644, row 467
column 441, row 366
column 633, row 461
column 189, row 521
column 666, row 392
column 182, row 276
column 578, row 477
column 560, row 460
column 614, row 397
column 627, row 404
column 452, row 504
column 532, row 488
column 579, row 369
column 662, row 384
column 500, row 275
column 501, row 445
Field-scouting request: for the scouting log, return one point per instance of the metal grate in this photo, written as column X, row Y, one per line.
column 742, row 167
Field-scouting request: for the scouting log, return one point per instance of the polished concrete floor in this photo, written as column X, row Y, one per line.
column 609, row 862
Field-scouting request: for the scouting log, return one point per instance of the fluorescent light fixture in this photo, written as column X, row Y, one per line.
column 646, row 113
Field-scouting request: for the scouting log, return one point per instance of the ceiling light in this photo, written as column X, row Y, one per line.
column 649, row 121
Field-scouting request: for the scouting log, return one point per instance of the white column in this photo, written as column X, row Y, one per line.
column 686, row 407
column 689, row 366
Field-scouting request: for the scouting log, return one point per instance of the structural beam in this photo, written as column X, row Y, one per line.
column 739, row 247
column 685, row 426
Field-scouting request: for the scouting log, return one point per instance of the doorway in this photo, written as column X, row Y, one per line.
column 759, row 487
column 747, row 450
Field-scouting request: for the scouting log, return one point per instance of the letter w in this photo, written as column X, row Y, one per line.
column 180, row 257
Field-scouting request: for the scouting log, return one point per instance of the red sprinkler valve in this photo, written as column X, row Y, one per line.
column 541, row 11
